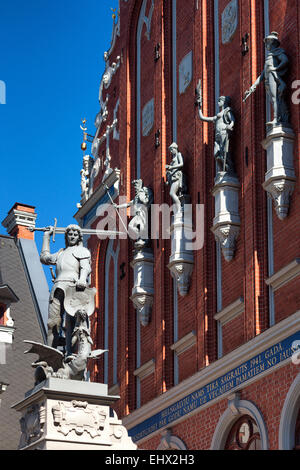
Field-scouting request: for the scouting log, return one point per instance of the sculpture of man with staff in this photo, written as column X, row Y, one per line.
column 224, row 123
column 276, row 65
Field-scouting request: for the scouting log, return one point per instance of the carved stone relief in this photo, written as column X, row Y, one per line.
column 185, row 72
column 229, row 21
column 32, row 424
column 148, row 117
column 80, row 417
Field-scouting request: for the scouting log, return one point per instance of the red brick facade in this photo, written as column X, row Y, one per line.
column 224, row 70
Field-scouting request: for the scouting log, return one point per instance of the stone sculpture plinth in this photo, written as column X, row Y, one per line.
column 181, row 261
column 226, row 223
column 280, row 176
column 62, row 414
column 143, row 287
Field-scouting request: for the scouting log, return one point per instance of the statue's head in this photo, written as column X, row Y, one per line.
column 138, row 184
column 73, row 235
column 173, row 148
column 87, row 162
column 224, row 101
column 272, row 40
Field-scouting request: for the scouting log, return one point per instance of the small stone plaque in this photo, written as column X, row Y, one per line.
column 229, row 21
column 148, row 117
column 185, row 72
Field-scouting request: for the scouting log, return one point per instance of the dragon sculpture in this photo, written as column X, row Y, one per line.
column 53, row 363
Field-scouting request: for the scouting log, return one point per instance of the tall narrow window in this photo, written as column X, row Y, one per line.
column 111, row 313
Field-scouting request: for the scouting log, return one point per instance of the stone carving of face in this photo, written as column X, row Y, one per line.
column 221, row 101
column 271, row 44
column 137, row 185
column 73, row 237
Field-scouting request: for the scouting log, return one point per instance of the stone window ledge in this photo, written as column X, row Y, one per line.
column 185, row 343
column 284, row 275
column 145, row 370
column 230, row 312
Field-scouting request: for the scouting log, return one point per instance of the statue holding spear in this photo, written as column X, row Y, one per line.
column 224, row 123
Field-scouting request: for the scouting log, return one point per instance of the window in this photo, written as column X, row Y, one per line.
column 244, row 435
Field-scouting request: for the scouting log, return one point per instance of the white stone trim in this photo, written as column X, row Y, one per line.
column 6, row 334
column 112, row 180
column 3, row 387
column 268, row 338
column 185, row 343
column 231, row 311
column 17, row 217
column 290, row 410
column 228, row 418
column 114, row 390
column 284, row 275
column 170, row 442
column 145, row 370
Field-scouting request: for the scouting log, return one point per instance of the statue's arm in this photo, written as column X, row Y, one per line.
column 85, row 271
column 179, row 162
column 254, row 86
column 46, row 257
column 231, row 118
column 283, row 63
column 123, row 206
column 206, row 118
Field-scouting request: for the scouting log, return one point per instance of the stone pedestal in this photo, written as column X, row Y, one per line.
column 181, row 261
column 70, row 415
column 143, row 287
column 226, row 223
column 280, row 176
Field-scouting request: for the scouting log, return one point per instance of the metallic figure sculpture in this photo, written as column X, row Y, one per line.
column 175, row 176
column 224, row 123
column 73, row 266
column 276, row 65
column 138, row 226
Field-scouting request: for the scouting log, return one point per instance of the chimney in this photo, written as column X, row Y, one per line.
column 19, row 218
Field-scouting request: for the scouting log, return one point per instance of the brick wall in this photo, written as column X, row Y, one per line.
column 245, row 275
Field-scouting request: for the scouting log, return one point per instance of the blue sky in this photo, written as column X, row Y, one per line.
column 52, row 63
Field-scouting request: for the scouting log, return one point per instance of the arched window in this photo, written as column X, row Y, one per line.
column 297, row 433
column 244, row 435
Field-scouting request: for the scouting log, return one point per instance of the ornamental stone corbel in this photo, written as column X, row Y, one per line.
column 280, row 177
column 226, row 223
column 143, row 288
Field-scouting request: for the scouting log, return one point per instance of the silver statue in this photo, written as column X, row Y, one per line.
column 224, row 122
column 138, row 226
column 85, row 173
column 175, row 176
column 73, row 267
column 276, row 66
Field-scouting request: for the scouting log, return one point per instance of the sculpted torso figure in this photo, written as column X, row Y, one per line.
column 175, row 176
column 275, row 68
column 73, row 266
column 138, row 226
column 224, row 123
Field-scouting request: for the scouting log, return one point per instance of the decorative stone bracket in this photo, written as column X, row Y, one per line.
column 226, row 223
column 280, row 176
column 181, row 262
column 143, row 288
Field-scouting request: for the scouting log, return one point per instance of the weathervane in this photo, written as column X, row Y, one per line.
column 86, row 137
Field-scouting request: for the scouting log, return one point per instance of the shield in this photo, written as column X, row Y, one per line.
column 79, row 300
